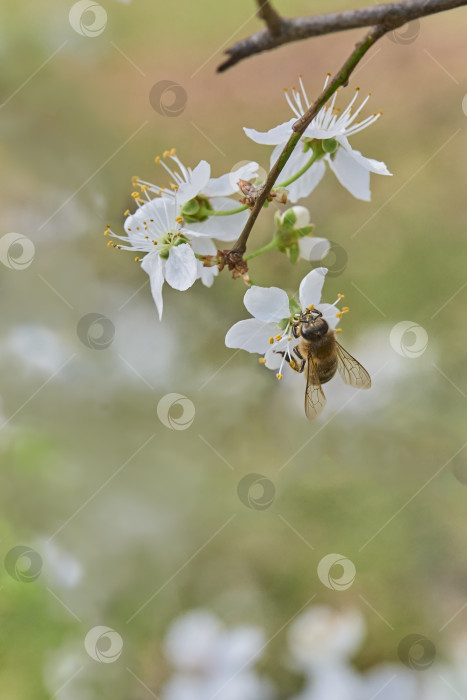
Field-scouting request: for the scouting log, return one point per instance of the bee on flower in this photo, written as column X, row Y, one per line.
column 279, row 322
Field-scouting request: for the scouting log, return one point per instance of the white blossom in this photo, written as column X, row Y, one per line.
column 351, row 168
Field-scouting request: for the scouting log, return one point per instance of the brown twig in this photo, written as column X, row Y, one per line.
column 392, row 16
column 280, row 30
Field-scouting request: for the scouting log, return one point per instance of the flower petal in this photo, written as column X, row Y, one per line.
column 206, row 274
column 278, row 134
column 351, row 174
column 153, row 266
column 313, row 248
column 251, row 335
column 203, row 246
column 227, row 184
column 181, row 268
column 198, row 180
column 274, row 358
column 302, row 215
column 268, row 304
column 308, row 181
column 223, row 228
column 374, row 166
column 329, row 312
column 311, row 286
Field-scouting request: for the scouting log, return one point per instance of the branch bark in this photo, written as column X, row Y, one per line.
column 280, row 30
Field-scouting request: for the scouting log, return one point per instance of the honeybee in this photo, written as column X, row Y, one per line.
column 321, row 356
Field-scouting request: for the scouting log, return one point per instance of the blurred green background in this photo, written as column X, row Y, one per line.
column 115, row 525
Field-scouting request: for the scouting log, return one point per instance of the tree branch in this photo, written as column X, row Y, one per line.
column 299, row 127
column 280, row 30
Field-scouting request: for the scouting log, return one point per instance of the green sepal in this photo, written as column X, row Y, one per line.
column 190, row 208
column 293, row 253
column 294, row 307
column 284, row 323
column 289, row 219
column 304, row 231
column 330, row 145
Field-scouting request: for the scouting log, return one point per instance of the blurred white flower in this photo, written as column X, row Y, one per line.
column 296, row 239
column 323, row 636
column 60, row 566
column 328, row 132
column 212, row 661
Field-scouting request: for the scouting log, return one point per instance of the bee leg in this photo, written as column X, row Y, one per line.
column 298, row 367
column 295, row 331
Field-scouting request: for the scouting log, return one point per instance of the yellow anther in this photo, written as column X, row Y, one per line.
column 151, row 219
column 338, row 330
column 106, row 233
column 129, row 228
column 339, row 314
column 160, row 191
column 173, row 187
column 292, row 364
column 126, row 213
column 311, row 307
column 345, row 309
column 179, row 219
column 137, row 228
column 137, row 259
column 271, row 340
column 173, row 151
column 340, row 296
column 279, row 376
column 135, row 195
column 157, row 159
column 165, row 154
column 278, row 337
column 289, row 338
column 146, row 236
column 155, row 242
column 262, row 360
column 357, row 89
column 143, row 188
column 109, row 244
column 114, row 245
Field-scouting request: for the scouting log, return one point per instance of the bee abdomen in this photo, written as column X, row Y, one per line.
column 326, row 369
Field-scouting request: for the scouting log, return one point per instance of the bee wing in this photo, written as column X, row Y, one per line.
column 351, row 370
column 315, row 399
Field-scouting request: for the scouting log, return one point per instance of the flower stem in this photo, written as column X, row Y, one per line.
column 272, row 244
column 316, row 156
column 217, row 212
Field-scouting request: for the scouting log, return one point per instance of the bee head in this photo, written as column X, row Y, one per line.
column 314, row 328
